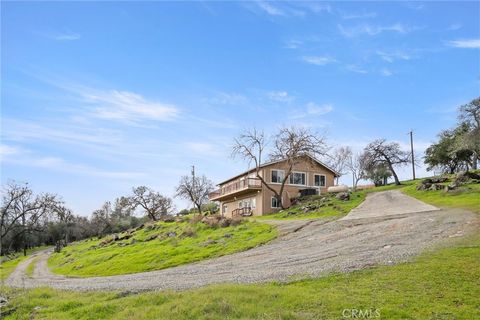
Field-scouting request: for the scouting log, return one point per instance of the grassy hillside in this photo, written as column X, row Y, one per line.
column 438, row 285
column 158, row 246
column 320, row 206
column 466, row 197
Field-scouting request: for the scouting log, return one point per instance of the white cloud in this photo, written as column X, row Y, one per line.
column 59, row 164
column 270, row 9
column 318, row 60
column 317, row 7
column 6, row 150
column 313, row 109
column 293, row 44
column 372, row 30
column 280, row 96
column 128, row 106
column 465, row 43
column 392, row 56
column 386, row 72
column 63, row 36
column 355, row 68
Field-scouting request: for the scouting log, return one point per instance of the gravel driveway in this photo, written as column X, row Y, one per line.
column 372, row 234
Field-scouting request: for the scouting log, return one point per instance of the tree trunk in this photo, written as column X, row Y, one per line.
column 397, row 182
column 474, row 160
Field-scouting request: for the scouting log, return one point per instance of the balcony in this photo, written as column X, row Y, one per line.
column 236, row 188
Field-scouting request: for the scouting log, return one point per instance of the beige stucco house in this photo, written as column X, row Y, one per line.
column 245, row 194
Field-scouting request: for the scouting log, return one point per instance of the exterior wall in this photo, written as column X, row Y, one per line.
column 291, row 191
column 233, row 203
column 264, row 196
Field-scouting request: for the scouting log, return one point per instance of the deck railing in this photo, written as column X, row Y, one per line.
column 235, row 186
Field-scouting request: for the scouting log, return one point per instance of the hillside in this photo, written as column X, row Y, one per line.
column 159, row 245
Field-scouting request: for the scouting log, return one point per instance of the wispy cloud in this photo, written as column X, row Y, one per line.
column 317, row 7
column 373, row 30
column 293, row 44
column 364, row 15
column 270, row 9
column 203, row 149
column 228, row 98
column 465, row 43
column 414, row 5
column 454, row 26
column 62, row 36
column 355, row 68
column 61, row 165
column 8, row 150
column 393, row 55
column 280, row 96
column 313, row 109
column 386, row 72
column 128, row 106
column 318, row 60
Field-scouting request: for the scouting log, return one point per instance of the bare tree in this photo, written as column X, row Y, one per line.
column 356, row 164
column 389, row 154
column 22, row 212
column 195, row 189
column 288, row 144
column 154, row 204
column 339, row 160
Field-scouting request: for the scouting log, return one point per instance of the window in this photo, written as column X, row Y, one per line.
column 278, row 176
column 247, row 203
column 224, row 209
column 275, row 203
column 320, row 180
column 298, row 178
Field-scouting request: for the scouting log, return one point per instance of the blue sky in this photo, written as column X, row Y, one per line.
column 99, row 97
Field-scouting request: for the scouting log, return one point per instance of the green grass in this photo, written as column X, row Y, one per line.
column 31, row 267
column 192, row 242
column 466, row 197
column 444, row 284
column 333, row 208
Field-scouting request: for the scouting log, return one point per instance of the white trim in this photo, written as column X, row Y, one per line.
column 293, row 184
column 271, row 170
column 319, row 174
column 272, row 207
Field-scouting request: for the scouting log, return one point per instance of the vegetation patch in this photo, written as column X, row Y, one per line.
column 466, row 196
column 31, row 267
column 320, row 206
column 437, row 285
column 159, row 245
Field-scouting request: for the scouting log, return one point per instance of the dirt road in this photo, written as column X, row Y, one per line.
column 387, row 228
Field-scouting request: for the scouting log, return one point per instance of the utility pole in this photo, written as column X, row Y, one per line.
column 413, row 157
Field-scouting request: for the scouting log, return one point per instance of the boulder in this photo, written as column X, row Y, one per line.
column 335, row 189
column 344, row 196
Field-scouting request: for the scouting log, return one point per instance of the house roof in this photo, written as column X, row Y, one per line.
column 277, row 161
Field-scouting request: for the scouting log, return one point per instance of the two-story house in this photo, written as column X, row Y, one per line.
column 245, row 194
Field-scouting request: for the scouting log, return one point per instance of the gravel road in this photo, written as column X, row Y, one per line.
column 388, row 228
